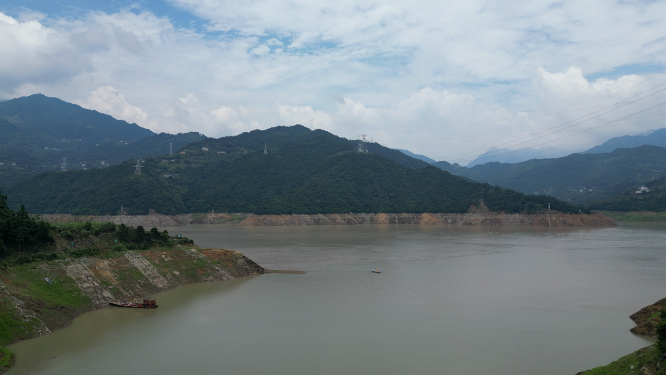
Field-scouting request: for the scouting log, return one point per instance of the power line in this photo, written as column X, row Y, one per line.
column 492, row 136
column 575, row 122
column 567, row 136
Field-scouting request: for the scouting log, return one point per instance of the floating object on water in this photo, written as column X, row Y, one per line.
column 376, row 271
column 147, row 304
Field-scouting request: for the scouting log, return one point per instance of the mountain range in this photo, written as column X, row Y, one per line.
column 282, row 170
column 39, row 131
column 576, row 178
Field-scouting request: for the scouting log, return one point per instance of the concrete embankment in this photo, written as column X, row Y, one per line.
column 40, row 297
column 491, row 219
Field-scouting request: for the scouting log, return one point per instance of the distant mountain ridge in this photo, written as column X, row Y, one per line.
column 655, row 138
column 494, row 155
column 417, row 156
column 575, row 178
column 39, row 131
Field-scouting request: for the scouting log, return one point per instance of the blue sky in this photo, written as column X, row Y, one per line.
column 443, row 79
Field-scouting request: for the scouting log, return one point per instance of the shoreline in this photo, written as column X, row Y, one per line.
column 246, row 219
column 95, row 281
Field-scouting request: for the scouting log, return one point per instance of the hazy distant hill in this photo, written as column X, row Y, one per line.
column 575, row 178
column 303, row 171
column 417, row 156
column 655, row 138
column 508, row 156
column 37, row 132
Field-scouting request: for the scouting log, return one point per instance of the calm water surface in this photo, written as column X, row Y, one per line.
column 449, row 300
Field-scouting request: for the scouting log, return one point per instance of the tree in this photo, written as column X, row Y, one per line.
column 661, row 333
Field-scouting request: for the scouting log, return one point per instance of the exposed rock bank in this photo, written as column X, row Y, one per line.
column 491, row 219
column 647, row 319
column 484, row 218
column 45, row 296
column 149, row 221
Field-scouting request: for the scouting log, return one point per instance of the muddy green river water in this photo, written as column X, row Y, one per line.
column 448, row 300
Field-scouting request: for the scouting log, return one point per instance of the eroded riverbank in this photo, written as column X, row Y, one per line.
column 41, row 297
column 244, row 219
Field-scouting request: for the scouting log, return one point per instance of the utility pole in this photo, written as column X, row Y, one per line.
column 265, row 150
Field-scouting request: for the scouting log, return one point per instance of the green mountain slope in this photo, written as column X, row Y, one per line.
column 630, row 200
column 303, row 171
column 38, row 132
column 575, row 178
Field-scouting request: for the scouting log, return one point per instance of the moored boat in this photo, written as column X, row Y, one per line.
column 146, row 304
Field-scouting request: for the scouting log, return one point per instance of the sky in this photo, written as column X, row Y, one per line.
column 446, row 79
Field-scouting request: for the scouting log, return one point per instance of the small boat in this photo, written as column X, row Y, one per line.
column 376, row 271
column 146, row 304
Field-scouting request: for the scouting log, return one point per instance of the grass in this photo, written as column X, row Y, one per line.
column 634, row 363
column 6, row 359
column 635, row 216
column 62, row 291
column 12, row 329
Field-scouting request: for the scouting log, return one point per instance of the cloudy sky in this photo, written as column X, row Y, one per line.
column 447, row 79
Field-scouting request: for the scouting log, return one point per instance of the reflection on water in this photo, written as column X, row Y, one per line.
column 458, row 300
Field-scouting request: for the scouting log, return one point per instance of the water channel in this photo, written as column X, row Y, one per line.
column 450, row 300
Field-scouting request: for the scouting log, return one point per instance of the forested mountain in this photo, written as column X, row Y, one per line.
column 37, row 132
column 302, row 171
column 575, row 178
column 633, row 200
column 656, row 138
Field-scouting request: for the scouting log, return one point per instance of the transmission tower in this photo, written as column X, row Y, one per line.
column 137, row 167
column 311, row 124
column 170, row 148
column 64, row 165
column 362, row 140
column 265, row 150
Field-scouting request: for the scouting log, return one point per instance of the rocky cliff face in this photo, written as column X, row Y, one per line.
column 492, row 219
column 41, row 297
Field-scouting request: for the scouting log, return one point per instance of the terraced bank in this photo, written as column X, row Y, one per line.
column 40, row 297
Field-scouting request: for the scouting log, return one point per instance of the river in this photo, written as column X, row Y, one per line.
column 449, row 300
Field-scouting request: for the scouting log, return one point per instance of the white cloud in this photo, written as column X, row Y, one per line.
column 475, row 73
column 107, row 99
column 290, row 115
column 33, row 53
